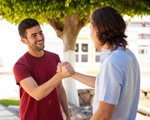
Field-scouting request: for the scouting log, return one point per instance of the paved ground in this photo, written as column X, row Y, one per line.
column 6, row 114
column 8, row 89
column 142, row 117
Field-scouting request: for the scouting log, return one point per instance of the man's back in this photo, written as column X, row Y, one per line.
column 128, row 101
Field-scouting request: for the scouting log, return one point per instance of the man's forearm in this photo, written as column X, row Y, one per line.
column 104, row 111
column 39, row 92
column 49, row 86
column 64, row 102
column 85, row 79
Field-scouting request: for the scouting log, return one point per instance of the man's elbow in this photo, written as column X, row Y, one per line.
column 36, row 96
column 106, row 117
column 101, row 116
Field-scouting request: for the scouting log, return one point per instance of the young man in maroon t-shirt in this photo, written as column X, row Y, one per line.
column 41, row 89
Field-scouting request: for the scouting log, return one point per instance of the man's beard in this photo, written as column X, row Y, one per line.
column 39, row 48
column 35, row 46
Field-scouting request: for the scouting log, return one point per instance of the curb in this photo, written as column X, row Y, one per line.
column 144, row 110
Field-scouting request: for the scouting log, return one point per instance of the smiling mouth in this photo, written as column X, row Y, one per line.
column 40, row 42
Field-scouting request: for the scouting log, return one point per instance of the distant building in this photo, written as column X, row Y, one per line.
column 138, row 32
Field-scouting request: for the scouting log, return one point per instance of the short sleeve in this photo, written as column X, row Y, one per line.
column 110, row 81
column 58, row 58
column 20, row 72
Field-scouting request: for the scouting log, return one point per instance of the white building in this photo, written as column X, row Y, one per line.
column 138, row 32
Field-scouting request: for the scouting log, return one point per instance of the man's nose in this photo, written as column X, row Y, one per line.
column 40, row 37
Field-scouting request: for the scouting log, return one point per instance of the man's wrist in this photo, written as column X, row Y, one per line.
column 73, row 74
column 68, row 118
column 60, row 76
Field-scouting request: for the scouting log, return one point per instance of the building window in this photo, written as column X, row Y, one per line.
column 144, row 49
column 84, row 47
column 147, row 24
column 81, row 52
column 97, row 55
column 77, row 52
column 140, row 51
column 135, row 24
column 144, row 36
column 77, row 58
column 97, row 58
column 84, row 58
column 77, row 48
column 141, row 36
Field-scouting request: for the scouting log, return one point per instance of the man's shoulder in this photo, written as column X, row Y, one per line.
column 22, row 60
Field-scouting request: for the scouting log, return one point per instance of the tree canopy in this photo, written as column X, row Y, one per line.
column 16, row 10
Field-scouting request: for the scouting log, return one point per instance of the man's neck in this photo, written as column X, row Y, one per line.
column 105, row 46
column 36, row 53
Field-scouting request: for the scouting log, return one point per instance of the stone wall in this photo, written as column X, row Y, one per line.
column 145, row 94
column 80, row 113
column 86, row 96
column 84, row 112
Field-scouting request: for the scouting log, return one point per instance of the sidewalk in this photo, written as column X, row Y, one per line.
column 6, row 114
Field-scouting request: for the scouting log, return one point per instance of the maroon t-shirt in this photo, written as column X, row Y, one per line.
column 41, row 69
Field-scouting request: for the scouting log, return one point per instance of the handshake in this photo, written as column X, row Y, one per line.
column 64, row 69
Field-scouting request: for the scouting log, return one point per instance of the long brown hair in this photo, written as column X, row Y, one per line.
column 110, row 27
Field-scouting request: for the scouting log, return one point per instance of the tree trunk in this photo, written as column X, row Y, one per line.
column 68, row 33
column 69, row 83
column 69, row 41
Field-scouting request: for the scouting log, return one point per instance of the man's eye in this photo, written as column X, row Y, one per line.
column 41, row 33
column 33, row 36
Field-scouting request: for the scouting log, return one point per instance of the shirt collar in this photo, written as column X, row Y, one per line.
column 106, row 53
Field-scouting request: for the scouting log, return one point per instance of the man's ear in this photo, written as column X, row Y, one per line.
column 24, row 40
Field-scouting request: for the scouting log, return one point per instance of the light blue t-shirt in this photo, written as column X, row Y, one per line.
column 118, row 83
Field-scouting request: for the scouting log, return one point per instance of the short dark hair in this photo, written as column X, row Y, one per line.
column 26, row 24
column 110, row 27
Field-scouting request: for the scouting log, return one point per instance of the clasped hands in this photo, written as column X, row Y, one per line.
column 65, row 69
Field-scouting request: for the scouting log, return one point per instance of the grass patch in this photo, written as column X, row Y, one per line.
column 7, row 102
column 145, row 102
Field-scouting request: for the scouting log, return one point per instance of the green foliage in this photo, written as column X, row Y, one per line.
column 16, row 10
column 7, row 102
